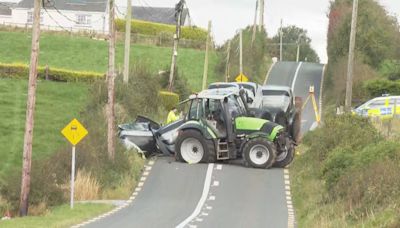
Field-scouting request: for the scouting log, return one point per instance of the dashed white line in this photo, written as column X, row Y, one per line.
column 203, row 198
column 127, row 203
column 289, row 203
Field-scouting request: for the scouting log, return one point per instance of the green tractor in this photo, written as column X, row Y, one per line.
column 217, row 127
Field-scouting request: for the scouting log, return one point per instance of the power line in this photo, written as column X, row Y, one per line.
column 55, row 21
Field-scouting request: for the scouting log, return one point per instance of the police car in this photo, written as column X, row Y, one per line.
column 383, row 106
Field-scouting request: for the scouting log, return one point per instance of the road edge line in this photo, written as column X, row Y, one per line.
column 268, row 73
column 289, row 201
column 145, row 173
column 295, row 75
column 320, row 92
column 203, row 198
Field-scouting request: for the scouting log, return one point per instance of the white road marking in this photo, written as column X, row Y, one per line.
column 211, row 198
column 295, row 75
column 320, row 92
column 127, row 203
column 208, row 207
column 216, row 183
column 289, row 203
column 219, row 167
column 206, row 189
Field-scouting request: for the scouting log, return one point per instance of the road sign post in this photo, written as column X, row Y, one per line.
column 72, row 177
column 74, row 132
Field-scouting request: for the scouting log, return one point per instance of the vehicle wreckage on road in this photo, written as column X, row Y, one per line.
column 217, row 125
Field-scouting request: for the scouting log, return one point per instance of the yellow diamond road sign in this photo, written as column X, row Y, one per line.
column 74, row 132
column 242, row 78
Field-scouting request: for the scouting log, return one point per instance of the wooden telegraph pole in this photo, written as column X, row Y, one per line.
column 280, row 43
column 178, row 16
column 206, row 57
column 111, row 84
column 350, row 66
column 227, row 62
column 261, row 22
column 30, row 112
column 254, row 25
column 127, row 40
column 241, row 52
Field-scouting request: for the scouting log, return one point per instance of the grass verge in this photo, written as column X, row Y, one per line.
column 56, row 105
column 60, row 216
column 85, row 54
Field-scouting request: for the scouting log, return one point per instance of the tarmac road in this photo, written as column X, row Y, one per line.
column 219, row 195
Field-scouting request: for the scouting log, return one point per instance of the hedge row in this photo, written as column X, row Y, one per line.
column 19, row 70
column 168, row 99
column 158, row 29
column 378, row 87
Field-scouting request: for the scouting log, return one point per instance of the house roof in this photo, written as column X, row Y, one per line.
column 73, row 5
column 162, row 15
column 5, row 8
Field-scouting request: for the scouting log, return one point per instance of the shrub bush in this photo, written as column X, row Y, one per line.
column 168, row 99
column 348, row 131
column 158, row 29
column 18, row 70
column 378, row 87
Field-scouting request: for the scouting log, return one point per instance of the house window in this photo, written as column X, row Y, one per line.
column 82, row 19
column 30, row 18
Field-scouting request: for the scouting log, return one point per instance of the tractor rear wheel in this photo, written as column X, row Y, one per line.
column 259, row 153
column 192, row 147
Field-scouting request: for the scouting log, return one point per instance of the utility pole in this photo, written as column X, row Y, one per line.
column 30, row 112
column 227, row 62
column 206, row 57
column 111, row 84
column 178, row 18
column 261, row 23
column 241, row 52
column 254, row 25
column 350, row 66
column 281, row 39
column 298, row 48
column 127, row 40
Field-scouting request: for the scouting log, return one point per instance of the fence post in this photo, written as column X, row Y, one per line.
column 47, row 72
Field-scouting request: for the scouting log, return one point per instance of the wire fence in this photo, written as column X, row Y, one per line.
column 164, row 40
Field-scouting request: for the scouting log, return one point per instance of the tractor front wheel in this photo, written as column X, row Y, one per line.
column 259, row 153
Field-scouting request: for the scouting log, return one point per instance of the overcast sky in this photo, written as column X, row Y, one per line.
column 229, row 15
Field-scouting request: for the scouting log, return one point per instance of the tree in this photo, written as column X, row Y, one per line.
column 292, row 36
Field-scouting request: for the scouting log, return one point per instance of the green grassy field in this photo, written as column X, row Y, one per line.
column 56, row 105
column 83, row 53
column 61, row 216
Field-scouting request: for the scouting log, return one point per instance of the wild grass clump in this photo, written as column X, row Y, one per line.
column 347, row 175
column 86, row 186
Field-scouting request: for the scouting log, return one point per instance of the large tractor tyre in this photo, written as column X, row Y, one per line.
column 192, row 147
column 296, row 128
column 285, row 158
column 259, row 153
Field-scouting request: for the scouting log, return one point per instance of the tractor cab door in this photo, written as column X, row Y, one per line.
column 215, row 118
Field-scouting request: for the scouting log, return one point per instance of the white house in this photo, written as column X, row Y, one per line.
column 70, row 15
column 5, row 12
column 80, row 15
